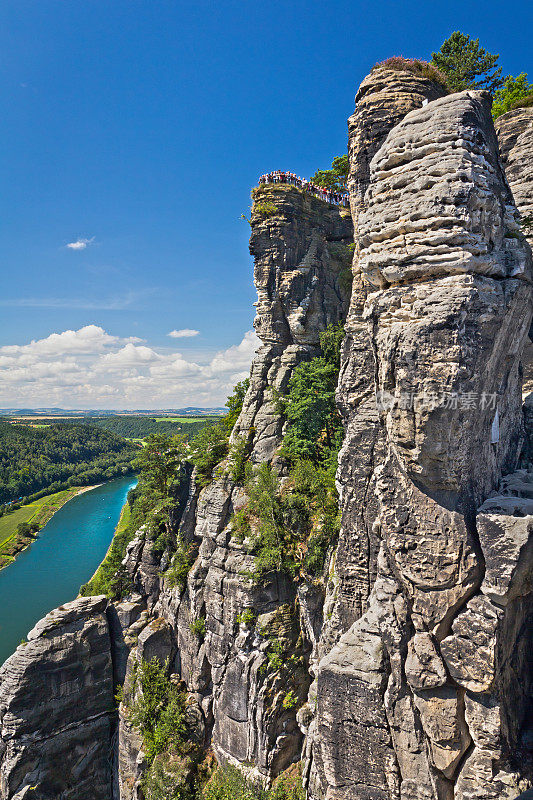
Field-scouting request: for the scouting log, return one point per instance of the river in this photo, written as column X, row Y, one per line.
column 50, row 572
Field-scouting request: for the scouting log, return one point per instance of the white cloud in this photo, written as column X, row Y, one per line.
column 237, row 357
column 88, row 368
column 129, row 356
column 184, row 333
column 80, row 244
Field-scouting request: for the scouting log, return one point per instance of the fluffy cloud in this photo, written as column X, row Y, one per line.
column 90, row 368
column 89, row 339
column 184, row 333
column 80, row 244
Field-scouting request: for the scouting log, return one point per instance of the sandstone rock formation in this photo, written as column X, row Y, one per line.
column 301, row 251
column 515, row 135
column 57, row 709
column 302, row 258
column 447, row 313
column 302, row 274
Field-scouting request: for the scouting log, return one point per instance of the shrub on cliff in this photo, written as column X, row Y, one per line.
column 208, row 448
column 466, row 65
column 415, row 65
column 515, row 93
column 229, row 783
column 314, row 428
column 161, row 467
column 211, row 445
column 158, row 710
column 289, row 528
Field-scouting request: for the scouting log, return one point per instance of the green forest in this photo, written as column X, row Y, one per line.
column 38, row 461
column 140, row 427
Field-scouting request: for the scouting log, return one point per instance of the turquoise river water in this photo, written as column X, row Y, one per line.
column 50, row 572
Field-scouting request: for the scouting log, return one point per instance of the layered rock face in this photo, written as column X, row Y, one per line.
column 447, row 312
column 57, row 708
column 301, row 252
column 383, row 99
column 515, row 135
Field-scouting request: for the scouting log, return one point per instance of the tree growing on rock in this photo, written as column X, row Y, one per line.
column 467, row 65
column 334, row 178
column 514, row 93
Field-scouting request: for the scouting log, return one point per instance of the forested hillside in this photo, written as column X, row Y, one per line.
column 61, row 455
column 140, row 427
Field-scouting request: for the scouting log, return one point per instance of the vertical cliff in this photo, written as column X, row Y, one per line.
column 447, row 281
column 383, row 99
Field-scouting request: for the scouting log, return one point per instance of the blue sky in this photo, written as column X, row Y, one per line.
column 138, row 127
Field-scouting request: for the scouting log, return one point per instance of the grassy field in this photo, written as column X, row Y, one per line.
column 40, row 511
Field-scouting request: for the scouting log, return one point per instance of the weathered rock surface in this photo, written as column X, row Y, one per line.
column 301, row 251
column 447, row 311
column 57, row 710
column 383, row 99
column 515, row 135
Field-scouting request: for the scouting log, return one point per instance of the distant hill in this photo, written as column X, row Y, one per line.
column 191, row 411
column 49, row 459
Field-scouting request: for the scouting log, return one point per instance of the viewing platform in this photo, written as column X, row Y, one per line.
column 328, row 195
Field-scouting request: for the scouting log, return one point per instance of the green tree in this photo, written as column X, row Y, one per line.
column 211, row 445
column 467, row 65
column 310, row 409
column 23, row 529
column 234, row 404
column 161, row 470
column 512, row 94
column 334, row 178
column 330, row 343
column 208, row 448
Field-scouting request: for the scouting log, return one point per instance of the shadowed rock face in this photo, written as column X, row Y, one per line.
column 515, row 135
column 57, row 713
column 447, row 311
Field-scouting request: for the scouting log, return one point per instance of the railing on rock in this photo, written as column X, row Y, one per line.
column 328, row 195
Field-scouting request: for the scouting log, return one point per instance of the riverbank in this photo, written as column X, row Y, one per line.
column 37, row 513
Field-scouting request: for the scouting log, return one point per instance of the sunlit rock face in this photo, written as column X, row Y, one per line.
column 445, row 276
column 302, row 259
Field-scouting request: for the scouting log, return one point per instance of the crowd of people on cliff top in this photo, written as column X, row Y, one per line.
column 329, row 195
